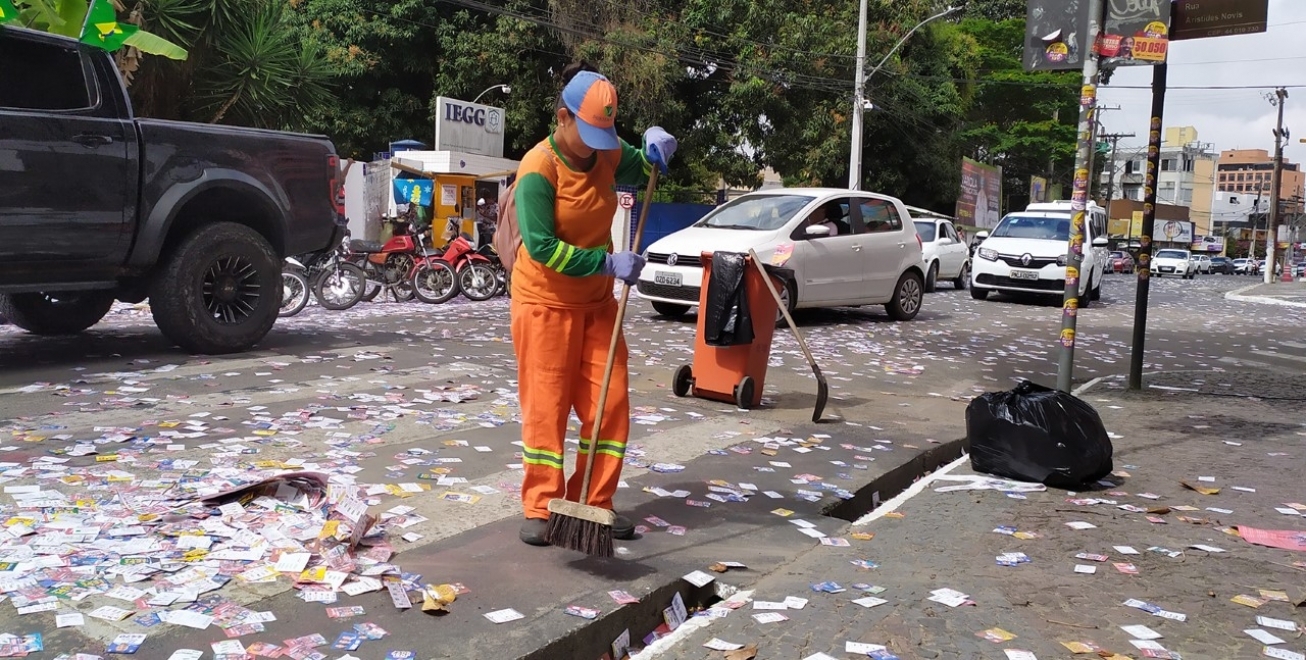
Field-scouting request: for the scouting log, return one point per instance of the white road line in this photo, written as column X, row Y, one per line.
column 1079, row 391
column 1237, row 294
column 1281, row 356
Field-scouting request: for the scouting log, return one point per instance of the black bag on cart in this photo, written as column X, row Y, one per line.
column 1037, row 434
column 728, row 322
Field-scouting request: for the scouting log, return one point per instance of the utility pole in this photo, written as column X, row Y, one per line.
column 1280, row 99
column 859, row 99
column 1079, row 198
column 1114, row 139
column 1143, row 270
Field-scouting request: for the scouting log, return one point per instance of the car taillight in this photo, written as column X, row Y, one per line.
column 337, row 188
column 919, row 243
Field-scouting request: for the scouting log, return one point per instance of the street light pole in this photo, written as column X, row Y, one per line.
column 1271, row 236
column 859, row 87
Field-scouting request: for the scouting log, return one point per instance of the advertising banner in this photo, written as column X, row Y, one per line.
column 1136, row 32
column 1056, row 32
column 980, row 202
column 1038, row 189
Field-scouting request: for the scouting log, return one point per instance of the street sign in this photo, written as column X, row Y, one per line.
column 626, row 200
column 1199, row 19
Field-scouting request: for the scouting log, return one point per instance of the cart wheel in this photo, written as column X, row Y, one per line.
column 744, row 394
column 683, row 380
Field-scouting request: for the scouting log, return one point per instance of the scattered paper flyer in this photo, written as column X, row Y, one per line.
column 504, row 616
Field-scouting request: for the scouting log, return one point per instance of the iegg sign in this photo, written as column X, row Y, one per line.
column 468, row 127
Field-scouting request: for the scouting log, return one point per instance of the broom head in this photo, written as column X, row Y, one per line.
column 580, row 527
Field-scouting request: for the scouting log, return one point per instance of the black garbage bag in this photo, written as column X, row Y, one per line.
column 728, row 322
column 1033, row 433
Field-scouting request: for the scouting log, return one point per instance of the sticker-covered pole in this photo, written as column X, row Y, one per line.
column 1144, row 267
column 1079, row 201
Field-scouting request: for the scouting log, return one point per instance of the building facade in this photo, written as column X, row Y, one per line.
column 1251, row 171
column 1187, row 175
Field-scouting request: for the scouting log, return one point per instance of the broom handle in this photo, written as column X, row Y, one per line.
column 612, row 346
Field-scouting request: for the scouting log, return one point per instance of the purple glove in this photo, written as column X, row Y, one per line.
column 625, row 266
column 659, row 146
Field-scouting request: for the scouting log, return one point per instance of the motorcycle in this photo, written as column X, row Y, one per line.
column 473, row 274
column 500, row 272
column 294, row 288
column 336, row 283
column 393, row 266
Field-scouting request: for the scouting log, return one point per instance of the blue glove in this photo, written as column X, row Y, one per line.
column 625, row 266
column 659, row 147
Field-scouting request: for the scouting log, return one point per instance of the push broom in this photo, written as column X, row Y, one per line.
column 577, row 525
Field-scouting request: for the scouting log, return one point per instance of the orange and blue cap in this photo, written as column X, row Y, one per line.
column 592, row 99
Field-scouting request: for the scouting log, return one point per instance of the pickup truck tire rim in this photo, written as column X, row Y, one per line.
column 231, row 289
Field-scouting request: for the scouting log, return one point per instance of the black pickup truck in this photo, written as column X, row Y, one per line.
column 97, row 205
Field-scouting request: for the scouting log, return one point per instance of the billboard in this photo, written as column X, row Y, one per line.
column 1056, row 32
column 1163, row 231
column 1136, row 32
column 979, row 203
column 468, row 127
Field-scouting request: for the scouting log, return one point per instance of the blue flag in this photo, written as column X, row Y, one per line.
column 419, row 191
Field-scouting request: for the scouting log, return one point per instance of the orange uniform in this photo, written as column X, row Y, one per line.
column 563, row 315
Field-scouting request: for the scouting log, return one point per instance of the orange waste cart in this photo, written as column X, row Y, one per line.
column 733, row 374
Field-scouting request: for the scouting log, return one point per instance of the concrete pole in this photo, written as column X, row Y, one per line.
column 859, row 94
column 1271, row 238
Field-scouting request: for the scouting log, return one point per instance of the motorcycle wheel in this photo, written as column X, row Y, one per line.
column 294, row 293
column 341, row 287
column 435, row 282
column 478, row 281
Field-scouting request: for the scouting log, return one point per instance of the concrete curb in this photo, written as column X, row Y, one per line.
column 1236, row 295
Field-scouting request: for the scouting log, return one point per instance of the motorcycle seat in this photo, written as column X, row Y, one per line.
column 365, row 247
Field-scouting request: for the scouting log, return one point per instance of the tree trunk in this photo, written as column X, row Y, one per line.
column 226, row 106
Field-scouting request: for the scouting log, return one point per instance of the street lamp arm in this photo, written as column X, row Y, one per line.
column 907, row 36
column 506, row 90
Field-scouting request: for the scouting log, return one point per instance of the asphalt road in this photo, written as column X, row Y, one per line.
column 425, row 396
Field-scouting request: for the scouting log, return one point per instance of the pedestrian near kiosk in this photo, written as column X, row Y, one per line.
column 563, row 309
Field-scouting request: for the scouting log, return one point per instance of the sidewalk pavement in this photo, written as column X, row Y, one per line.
column 1289, row 294
column 1158, row 544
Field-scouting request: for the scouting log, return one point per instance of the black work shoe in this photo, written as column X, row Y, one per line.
column 532, row 531
column 623, row 529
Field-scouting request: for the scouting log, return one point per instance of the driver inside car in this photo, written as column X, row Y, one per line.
column 821, row 218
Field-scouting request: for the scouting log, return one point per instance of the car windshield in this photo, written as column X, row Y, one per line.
column 1051, row 228
column 1117, row 255
column 926, row 230
column 757, row 213
column 1240, row 261
column 1171, row 254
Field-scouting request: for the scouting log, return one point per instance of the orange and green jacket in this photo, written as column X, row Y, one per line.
column 565, row 218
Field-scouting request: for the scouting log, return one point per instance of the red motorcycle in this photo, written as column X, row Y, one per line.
column 391, row 267
column 459, row 268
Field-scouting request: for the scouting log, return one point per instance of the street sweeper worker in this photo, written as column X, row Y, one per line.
column 563, row 308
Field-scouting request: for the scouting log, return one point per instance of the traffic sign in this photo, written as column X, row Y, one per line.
column 626, row 200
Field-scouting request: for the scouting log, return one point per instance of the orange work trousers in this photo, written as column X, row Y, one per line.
column 561, row 354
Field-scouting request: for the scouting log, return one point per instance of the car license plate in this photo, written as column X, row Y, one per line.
column 665, row 278
column 1024, row 274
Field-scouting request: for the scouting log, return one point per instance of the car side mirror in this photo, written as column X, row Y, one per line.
column 945, row 241
column 817, row 230
column 1100, row 241
column 982, row 235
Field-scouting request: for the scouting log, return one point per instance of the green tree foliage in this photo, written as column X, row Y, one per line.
column 744, row 84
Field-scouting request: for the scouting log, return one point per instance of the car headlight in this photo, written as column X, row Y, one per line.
column 988, row 253
column 1061, row 260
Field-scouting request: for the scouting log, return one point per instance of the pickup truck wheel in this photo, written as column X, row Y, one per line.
column 61, row 313
column 219, row 292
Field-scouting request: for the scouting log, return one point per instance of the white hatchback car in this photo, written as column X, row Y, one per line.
column 1026, row 253
column 846, row 248
column 1174, row 262
column 944, row 254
